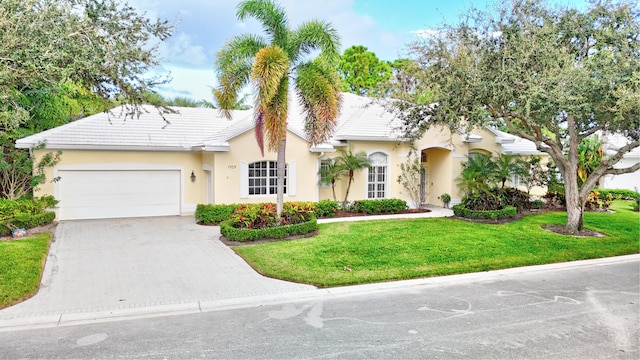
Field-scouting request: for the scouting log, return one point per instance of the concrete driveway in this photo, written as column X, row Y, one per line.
column 128, row 265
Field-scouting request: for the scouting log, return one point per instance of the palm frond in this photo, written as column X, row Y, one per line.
column 276, row 112
column 319, row 93
column 270, row 68
column 233, row 63
column 259, row 128
column 317, row 35
column 272, row 16
column 238, row 48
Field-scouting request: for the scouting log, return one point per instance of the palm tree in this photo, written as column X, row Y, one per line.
column 330, row 173
column 273, row 62
column 476, row 174
column 349, row 163
column 507, row 165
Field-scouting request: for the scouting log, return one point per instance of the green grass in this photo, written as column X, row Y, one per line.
column 411, row 248
column 21, row 263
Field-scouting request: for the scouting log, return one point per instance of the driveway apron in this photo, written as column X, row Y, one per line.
column 102, row 265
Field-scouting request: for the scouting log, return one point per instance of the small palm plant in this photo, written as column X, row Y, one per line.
column 349, row 163
column 329, row 174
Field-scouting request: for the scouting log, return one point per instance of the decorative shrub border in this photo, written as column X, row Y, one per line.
column 508, row 212
column 378, row 206
column 28, row 221
column 210, row 214
column 215, row 214
column 279, row 232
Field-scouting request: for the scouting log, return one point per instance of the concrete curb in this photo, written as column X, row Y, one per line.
column 70, row 319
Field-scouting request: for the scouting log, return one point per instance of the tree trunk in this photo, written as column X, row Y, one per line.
column 281, row 163
column 573, row 200
column 346, row 194
column 333, row 190
column 575, row 208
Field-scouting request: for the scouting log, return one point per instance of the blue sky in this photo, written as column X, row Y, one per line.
column 383, row 26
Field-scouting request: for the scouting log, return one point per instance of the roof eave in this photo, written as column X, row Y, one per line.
column 49, row 146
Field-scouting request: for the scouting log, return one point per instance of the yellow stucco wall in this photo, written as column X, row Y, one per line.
column 245, row 150
column 218, row 174
column 185, row 162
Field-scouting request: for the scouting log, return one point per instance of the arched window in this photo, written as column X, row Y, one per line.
column 377, row 176
column 263, row 178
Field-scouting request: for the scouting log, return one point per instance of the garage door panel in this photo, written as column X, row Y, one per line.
column 118, row 193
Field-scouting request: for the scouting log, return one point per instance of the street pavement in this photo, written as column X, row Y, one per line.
column 581, row 310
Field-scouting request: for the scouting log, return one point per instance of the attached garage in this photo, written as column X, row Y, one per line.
column 95, row 194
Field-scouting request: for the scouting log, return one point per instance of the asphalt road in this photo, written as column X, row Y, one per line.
column 581, row 313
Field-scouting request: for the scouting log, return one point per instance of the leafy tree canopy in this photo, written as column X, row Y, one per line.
column 361, row 71
column 554, row 76
column 98, row 45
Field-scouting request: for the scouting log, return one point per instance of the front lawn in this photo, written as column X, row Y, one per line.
column 21, row 264
column 373, row 251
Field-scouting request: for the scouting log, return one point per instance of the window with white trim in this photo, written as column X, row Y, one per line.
column 325, row 164
column 377, row 176
column 263, row 178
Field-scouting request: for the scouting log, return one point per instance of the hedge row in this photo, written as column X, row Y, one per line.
column 215, row 214
column 236, row 234
column 508, row 212
column 27, row 221
column 378, row 206
column 618, row 194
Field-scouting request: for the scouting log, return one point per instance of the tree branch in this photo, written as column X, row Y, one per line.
column 635, row 167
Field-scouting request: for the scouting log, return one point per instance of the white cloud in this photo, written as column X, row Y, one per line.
column 181, row 50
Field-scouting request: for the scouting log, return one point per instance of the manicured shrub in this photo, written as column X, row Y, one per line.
column 255, row 216
column 25, row 213
column 229, row 230
column 213, row 214
column 595, row 201
column 618, row 194
column 326, row 208
column 508, row 212
column 378, row 206
column 536, row 204
column 482, row 201
column 297, row 212
column 555, row 199
column 513, row 197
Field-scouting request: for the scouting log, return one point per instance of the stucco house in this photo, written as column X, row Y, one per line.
column 629, row 181
column 113, row 166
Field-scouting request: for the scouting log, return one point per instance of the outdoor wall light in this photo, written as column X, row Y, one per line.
column 193, row 176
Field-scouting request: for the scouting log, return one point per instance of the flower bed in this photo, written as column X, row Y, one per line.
column 232, row 231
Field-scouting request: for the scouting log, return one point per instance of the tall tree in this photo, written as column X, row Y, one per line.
column 100, row 45
column 271, row 64
column 554, row 76
column 61, row 60
column 362, row 72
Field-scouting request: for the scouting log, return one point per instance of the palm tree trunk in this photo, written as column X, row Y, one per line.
column 346, row 194
column 281, row 163
column 333, row 190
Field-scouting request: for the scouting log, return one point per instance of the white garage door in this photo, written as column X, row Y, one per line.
column 118, row 193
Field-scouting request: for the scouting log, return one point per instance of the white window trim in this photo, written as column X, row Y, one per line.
column 387, row 183
column 291, row 180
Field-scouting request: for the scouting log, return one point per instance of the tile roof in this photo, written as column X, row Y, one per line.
column 190, row 129
column 360, row 118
